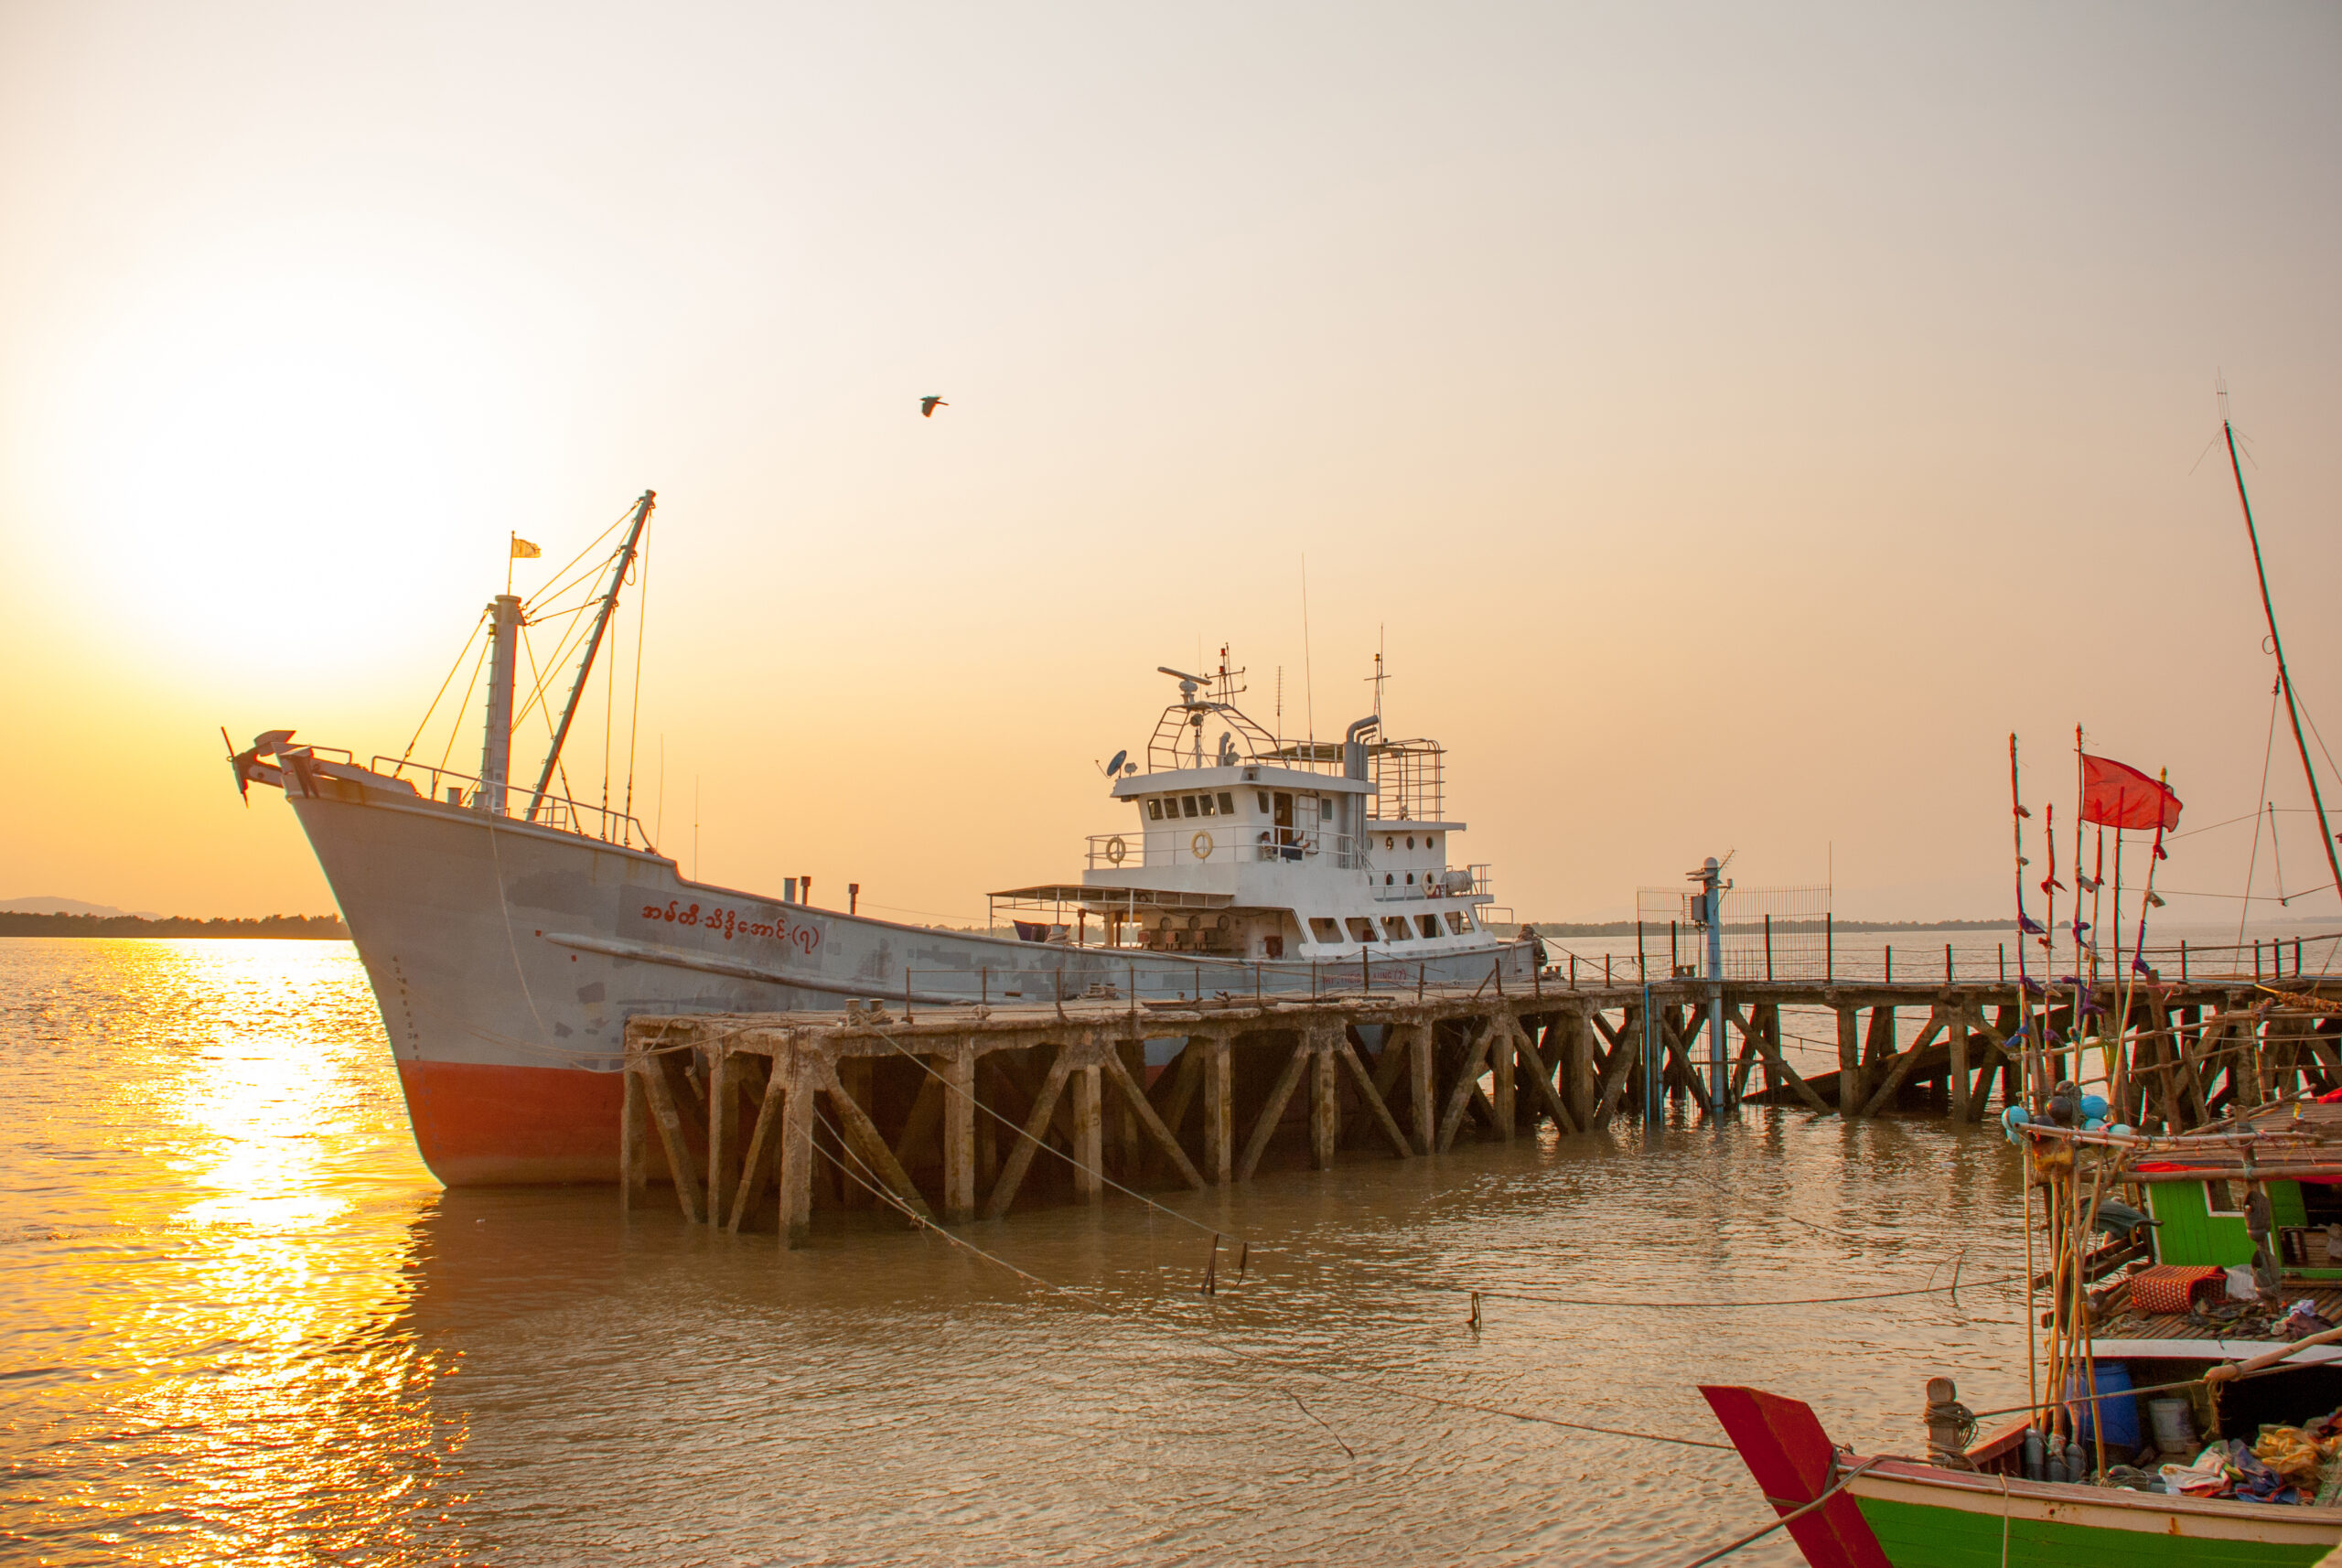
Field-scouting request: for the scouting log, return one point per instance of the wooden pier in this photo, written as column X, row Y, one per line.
column 759, row 1120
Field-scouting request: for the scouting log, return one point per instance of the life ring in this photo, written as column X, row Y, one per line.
column 1201, row 845
column 1115, row 850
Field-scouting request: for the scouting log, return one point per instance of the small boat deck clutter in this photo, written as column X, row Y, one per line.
column 2184, row 1373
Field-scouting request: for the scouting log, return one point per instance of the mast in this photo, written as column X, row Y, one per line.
column 496, row 747
column 2284, row 678
column 618, row 569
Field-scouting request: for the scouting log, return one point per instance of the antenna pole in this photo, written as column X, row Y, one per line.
column 1308, row 681
column 2284, row 678
column 593, row 645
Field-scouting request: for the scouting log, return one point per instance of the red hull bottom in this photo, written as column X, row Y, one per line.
column 507, row 1126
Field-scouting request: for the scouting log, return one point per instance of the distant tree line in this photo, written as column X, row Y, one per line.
column 303, row 928
column 1627, row 928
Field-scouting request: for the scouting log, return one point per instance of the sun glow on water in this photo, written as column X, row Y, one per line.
column 217, row 1296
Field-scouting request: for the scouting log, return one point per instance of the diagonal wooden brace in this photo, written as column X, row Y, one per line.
column 1468, row 1083
column 1533, row 1063
column 1036, row 1127
column 862, row 1138
column 1120, row 1076
column 1273, row 1110
column 1374, row 1101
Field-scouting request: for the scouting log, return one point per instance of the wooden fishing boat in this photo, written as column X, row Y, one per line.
column 1997, row 1501
column 1845, row 1510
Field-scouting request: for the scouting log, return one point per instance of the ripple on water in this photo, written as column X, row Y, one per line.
column 242, row 1323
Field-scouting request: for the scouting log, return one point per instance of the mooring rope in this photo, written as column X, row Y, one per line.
column 1711, row 1305
column 894, row 1200
column 1839, row 1486
column 1018, row 1128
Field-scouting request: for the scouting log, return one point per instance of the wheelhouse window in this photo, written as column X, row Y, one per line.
column 1206, row 799
column 1227, row 803
column 1186, row 805
column 1264, row 794
column 1427, row 924
column 1361, row 928
column 1455, row 922
column 1155, row 811
column 1324, row 929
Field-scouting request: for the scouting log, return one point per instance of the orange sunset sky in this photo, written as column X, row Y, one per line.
column 1731, row 422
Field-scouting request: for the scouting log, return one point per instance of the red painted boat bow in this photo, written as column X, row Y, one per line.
column 1785, row 1448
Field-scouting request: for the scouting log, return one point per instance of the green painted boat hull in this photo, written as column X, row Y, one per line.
column 1927, row 1535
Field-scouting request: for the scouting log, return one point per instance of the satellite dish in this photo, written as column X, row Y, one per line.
column 1115, row 767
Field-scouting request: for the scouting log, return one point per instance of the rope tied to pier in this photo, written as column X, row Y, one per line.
column 1840, row 1485
column 1043, row 1144
column 888, row 1198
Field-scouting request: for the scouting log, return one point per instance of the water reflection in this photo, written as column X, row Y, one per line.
column 241, row 1323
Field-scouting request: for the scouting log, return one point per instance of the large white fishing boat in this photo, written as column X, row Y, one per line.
column 510, row 931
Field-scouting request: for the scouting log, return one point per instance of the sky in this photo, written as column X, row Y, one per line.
column 1732, row 423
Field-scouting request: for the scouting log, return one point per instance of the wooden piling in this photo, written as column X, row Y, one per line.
column 1219, row 1111
column 1324, row 1104
column 1956, row 1044
column 1088, row 1147
column 809, row 1111
column 795, row 1152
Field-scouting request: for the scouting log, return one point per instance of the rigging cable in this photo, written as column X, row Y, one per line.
column 560, row 768
column 458, row 664
column 2267, row 750
column 479, row 662
column 609, row 709
column 2277, row 855
column 550, row 590
column 634, row 718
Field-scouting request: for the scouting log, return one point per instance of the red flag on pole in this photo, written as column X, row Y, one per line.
column 2115, row 795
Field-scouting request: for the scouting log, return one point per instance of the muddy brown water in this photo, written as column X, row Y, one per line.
column 239, row 1322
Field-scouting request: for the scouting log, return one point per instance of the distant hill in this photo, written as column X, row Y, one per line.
column 299, row 928
column 52, row 906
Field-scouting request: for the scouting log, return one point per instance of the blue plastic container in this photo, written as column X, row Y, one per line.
column 2121, row 1414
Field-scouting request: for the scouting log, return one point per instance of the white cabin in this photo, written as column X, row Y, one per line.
column 1251, row 847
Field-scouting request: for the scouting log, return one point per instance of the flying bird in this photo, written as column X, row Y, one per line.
column 928, row 405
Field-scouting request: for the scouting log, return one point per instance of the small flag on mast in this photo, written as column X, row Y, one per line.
column 524, row 551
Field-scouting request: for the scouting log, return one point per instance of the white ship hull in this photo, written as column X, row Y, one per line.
column 508, row 956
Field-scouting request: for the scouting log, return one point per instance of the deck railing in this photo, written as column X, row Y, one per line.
column 559, row 813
